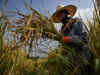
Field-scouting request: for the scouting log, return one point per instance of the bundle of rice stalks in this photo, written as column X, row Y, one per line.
column 15, row 62
column 27, row 31
column 94, row 35
column 94, row 32
column 14, row 58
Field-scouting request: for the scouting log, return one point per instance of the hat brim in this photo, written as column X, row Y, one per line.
column 58, row 15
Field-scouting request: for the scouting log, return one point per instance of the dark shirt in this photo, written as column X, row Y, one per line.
column 76, row 30
column 79, row 39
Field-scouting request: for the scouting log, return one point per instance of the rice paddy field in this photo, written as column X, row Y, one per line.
column 21, row 39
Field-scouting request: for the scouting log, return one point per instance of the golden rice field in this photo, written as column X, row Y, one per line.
column 15, row 60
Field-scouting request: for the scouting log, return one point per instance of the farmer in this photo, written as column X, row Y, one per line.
column 73, row 32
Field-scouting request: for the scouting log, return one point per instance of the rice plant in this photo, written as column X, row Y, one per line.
column 94, row 34
column 26, row 32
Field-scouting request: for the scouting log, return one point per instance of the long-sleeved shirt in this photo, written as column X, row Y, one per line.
column 79, row 39
column 76, row 31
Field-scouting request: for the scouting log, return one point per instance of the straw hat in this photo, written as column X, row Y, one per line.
column 58, row 15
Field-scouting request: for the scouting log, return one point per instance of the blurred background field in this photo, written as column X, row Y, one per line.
column 27, row 39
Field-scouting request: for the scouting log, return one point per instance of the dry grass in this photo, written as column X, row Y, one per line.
column 94, row 32
column 31, row 28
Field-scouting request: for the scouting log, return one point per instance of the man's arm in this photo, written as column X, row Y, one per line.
column 79, row 35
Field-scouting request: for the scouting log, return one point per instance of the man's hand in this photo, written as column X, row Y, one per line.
column 66, row 39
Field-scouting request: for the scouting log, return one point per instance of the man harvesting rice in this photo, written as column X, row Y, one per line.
column 73, row 33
